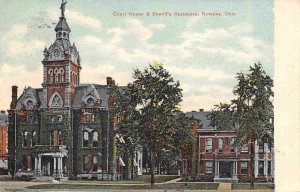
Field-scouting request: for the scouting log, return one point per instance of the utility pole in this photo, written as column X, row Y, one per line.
column 107, row 141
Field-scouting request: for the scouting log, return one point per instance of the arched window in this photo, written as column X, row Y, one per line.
column 95, row 162
column 95, row 139
column 25, row 138
column 56, row 100
column 24, row 163
column 60, row 138
column 85, row 141
column 59, row 34
column 84, row 163
column 76, row 79
column 62, row 75
column 90, row 102
column 34, row 138
column 64, row 34
column 59, row 118
column 56, row 137
column 29, row 104
column 51, row 75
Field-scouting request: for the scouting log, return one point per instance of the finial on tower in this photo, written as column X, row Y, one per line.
column 62, row 7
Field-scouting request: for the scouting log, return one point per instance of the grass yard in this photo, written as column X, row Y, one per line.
column 94, row 186
column 158, row 178
column 241, row 186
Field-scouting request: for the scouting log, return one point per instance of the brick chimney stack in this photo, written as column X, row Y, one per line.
column 14, row 97
column 109, row 81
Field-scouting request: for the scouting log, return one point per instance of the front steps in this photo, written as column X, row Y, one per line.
column 49, row 178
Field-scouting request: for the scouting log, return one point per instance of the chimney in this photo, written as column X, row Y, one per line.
column 14, row 97
column 109, row 81
column 201, row 110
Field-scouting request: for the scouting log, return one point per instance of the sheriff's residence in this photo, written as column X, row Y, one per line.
column 215, row 155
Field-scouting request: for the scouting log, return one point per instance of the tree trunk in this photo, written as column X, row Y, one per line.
column 152, row 166
column 158, row 164
column 252, row 163
column 132, row 166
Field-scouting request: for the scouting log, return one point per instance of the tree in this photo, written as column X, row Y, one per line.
column 250, row 111
column 222, row 117
column 151, row 107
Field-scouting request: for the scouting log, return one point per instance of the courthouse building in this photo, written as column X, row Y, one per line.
column 216, row 157
column 64, row 129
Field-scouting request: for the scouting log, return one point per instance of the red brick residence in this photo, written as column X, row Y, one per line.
column 215, row 156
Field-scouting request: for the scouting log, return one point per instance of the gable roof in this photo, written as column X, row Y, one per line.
column 202, row 116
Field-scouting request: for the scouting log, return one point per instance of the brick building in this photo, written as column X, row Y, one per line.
column 216, row 157
column 63, row 129
column 3, row 142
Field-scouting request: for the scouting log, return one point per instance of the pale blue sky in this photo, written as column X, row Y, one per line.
column 203, row 53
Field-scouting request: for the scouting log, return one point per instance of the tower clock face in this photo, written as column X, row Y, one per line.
column 56, row 53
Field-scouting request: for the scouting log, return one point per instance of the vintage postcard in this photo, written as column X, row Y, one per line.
column 139, row 95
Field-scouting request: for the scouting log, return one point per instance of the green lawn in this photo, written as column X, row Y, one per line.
column 172, row 186
column 256, row 186
column 158, row 178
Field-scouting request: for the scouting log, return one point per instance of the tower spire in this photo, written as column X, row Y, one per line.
column 62, row 28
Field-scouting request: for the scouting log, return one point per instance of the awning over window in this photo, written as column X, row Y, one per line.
column 3, row 164
column 121, row 162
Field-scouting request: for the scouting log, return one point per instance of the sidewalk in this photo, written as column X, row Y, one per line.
column 224, row 186
column 173, row 180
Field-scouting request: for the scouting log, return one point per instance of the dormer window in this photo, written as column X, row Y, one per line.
column 90, row 102
column 29, row 104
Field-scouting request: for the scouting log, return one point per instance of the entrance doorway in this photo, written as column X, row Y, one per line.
column 225, row 169
column 47, row 165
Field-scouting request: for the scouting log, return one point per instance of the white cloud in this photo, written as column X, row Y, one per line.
column 17, row 75
column 241, row 28
column 199, row 72
column 16, row 31
column 157, row 26
column 17, row 47
column 77, row 18
column 215, row 90
column 206, row 102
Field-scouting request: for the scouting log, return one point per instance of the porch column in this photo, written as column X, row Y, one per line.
column 266, row 159
column 272, row 162
column 234, row 167
column 54, row 166
column 216, row 170
column 39, row 165
column 35, row 164
column 29, row 163
column 256, row 159
column 60, row 167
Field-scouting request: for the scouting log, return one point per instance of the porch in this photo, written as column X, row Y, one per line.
column 226, row 170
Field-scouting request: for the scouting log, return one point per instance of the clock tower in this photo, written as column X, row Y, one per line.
column 61, row 67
